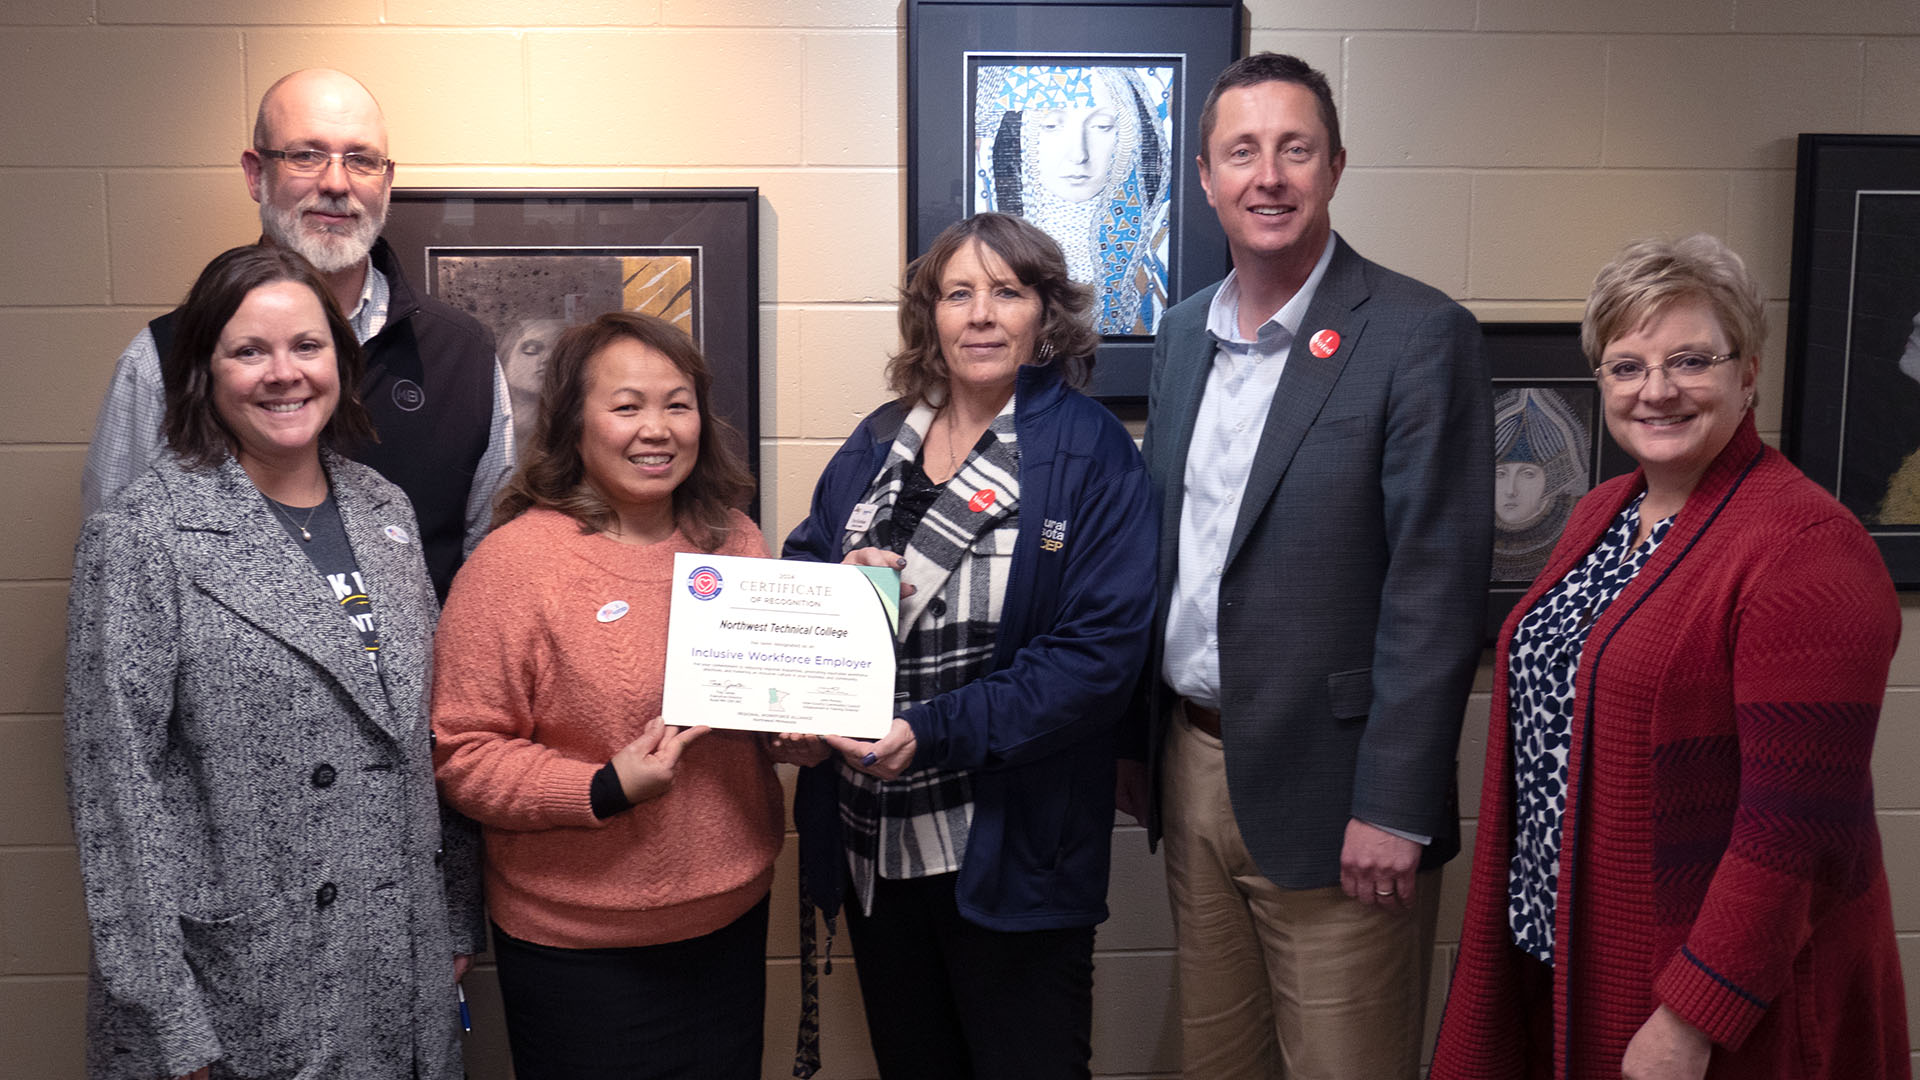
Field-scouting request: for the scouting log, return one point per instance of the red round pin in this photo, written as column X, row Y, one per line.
column 1324, row 344
column 981, row 500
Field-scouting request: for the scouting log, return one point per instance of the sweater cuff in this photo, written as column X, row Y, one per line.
column 1708, row 1000
column 564, row 789
column 606, row 794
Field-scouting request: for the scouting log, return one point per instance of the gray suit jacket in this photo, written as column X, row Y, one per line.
column 1355, row 581
column 254, row 806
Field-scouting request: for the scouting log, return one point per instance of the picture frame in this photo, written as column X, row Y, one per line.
column 1083, row 118
column 1551, row 446
column 529, row 262
column 1852, row 416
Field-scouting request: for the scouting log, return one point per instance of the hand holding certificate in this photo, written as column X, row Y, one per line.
column 770, row 645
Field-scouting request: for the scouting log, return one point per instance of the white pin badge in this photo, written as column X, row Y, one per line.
column 862, row 517
column 396, row 534
column 612, row 610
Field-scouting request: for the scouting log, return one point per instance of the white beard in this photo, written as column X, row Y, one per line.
column 330, row 250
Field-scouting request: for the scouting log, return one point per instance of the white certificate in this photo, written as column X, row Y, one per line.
column 771, row 645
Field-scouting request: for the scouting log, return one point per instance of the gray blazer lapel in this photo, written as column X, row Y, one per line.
column 1183, row 383
column 1304, row 385
column 386, row 543
column 234, row 551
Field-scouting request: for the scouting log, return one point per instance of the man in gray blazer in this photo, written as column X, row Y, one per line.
column 1320, row 436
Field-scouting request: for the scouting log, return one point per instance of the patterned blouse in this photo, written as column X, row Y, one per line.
column 1541, row 665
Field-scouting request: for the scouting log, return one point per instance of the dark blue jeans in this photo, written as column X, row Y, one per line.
column 949, row 1000
column 691, row 1009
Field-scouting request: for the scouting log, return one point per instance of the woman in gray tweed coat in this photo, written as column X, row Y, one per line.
column 248, row 765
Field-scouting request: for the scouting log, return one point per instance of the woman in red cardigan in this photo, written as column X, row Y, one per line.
column 1677, row 872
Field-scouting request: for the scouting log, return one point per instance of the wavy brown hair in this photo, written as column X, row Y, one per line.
column 554, row 475
column 193, row 427
column 1066, row 336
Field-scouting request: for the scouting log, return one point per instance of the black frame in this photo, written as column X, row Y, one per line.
column 1205, row 34
column 718, row 226
column 1545, row 355
column 1850, row 417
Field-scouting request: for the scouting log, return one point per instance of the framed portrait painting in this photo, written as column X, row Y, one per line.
column 528, row 264
column 1852, row 419
column 1550, row 447
column 1082, row 119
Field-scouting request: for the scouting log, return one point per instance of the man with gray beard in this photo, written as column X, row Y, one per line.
column 319, row 169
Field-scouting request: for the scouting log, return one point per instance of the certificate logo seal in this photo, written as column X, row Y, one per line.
column 704, row 582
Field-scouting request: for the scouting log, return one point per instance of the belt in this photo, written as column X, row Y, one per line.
column 1201, row 717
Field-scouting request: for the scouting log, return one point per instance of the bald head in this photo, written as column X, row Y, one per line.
column 329, row 213
column 319, row 100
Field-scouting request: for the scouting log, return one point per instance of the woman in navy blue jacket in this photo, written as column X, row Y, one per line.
column 970, row 845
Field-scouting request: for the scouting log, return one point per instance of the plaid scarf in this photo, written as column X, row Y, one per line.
column 957, row 560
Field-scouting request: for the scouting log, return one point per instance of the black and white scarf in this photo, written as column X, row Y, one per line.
column 958, row 554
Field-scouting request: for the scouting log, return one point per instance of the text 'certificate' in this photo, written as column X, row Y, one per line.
column 770, row 645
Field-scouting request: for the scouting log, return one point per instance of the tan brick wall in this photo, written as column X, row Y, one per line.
column 1501, row 149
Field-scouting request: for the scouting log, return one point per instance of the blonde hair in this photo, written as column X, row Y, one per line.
column 1650, row 275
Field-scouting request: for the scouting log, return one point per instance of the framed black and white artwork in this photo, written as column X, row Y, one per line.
column 1852, row 419
column 529, row 263
column 1082, row 119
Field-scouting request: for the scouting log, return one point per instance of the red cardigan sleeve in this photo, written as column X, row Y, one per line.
column 1812, row 635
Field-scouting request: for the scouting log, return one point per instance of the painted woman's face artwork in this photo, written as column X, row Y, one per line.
column 1519, row 493
column 1542, row 452
column 1075, row 145
column 523, row 357
column 1084, row 152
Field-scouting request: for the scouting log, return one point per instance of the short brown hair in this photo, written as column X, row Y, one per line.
column 1066, row 336
column 1269, row 67
column 1648, row 276
column 554, row 475
column 193, row 427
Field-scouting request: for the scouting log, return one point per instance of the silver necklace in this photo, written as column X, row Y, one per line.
column 305, row 536
column 953, row 437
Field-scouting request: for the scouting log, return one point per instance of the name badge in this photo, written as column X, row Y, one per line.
column 862, row 516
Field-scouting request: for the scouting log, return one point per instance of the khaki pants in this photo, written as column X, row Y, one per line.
column 1300, row 984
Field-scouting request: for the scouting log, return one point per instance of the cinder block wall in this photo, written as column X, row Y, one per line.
column 1500, row 149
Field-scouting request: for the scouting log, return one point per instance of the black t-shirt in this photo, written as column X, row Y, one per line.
column 319, row 532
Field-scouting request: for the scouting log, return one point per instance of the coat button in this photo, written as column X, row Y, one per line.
column 937, row 606
column 325, row 895
column 433, row 741
column 323, row 776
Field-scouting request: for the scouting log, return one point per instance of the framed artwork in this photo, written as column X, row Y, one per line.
column 1550, row 447
column 1082, row 118
column 528, row 264
column 1852, row 419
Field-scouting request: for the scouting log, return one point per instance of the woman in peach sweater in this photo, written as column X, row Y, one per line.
column 627, row 866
